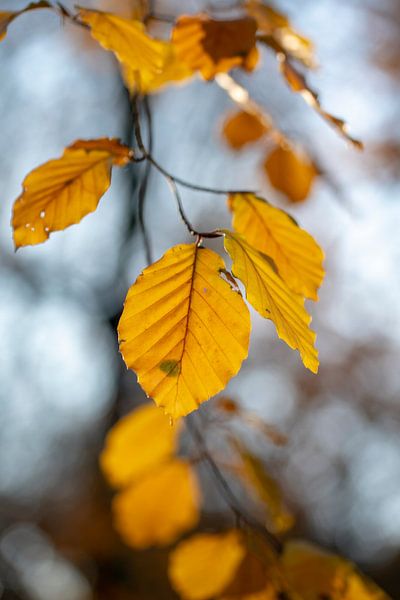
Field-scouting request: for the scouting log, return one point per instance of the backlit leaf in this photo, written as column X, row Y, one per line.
column 272, row 231
column 184, row 330
column 6, row 17
column 128, row 40
column 161, row 506
column 137, row 443
column 61, row 192
column 212, row 46
column 291, row 173
column 271, row 297
column 242, row 128
column 202, row 566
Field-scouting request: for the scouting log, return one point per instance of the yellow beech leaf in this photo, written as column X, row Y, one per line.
column 184, row 330
column 61, row 192
column 137, row 443
column 173, row 70
column 267, row 490
column 272, row 231
column 314, row 574
column 279, row 33
column 271, row 297
column 243, row 128
column 202, row 566
column 158, row 508
column 212, row 46
column 291, row 173
column 6, row 17
column 128, row 40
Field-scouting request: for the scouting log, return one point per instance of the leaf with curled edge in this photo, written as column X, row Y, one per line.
column 61, row 192
column 272, row 231
column 6, row 17
column 184, row 330
column 271, row 297
column 215, row 46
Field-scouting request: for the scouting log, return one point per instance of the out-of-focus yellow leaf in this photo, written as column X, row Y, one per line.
column 6, row 17
column 271, row 297
column 291, row 173
column 251, row 577
column 298, row 84
column 279, row 519
column 161, row 506
column 128, row 40
column 173, row 70
column 184, row 330
column 314, row 574
column 202, row 566
column 277, row 28
column 61, row 192
column 138, row 443
column 272, row 231
column 212, row 46
column 243, row 128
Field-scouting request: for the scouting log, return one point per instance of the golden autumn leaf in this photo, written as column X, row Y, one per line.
column 161, row 506
column 266, row 489
column 173, row 70
column 128, row 40
column 272, row 231
column 271, row 297
column 212, row 46
column 251, row 577
column 202, row 566
column 297, row 82
column 279, row 33
column 243, row 128
column 61, row 192
column 184, row 330
column 137, row 443
column 6, row 17
column 291, row 173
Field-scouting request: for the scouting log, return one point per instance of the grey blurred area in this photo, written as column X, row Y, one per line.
column 63, row 383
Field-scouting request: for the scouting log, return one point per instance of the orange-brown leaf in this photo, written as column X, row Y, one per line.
column 212, row 46
column 243, row 128
column 291, row 173
column 61, row 192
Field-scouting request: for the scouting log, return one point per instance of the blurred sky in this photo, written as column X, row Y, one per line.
column 60, row 369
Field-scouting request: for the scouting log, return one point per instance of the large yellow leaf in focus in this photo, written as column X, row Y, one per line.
column 271, row 297
column 203, row 566
column 6, row 17
column 159, row 507
column 291, row 173
column 243, row 128
column 128, row 40
column 272, row 231
column 212, row 46
column 61, row 192
column 184, row 330
column 138, row 443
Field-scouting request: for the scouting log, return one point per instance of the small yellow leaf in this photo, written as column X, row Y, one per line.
column 6, row 17
column 184, row 330
column 161, row 506
column 271, row 297
column 61, row 192
column 202, row 566
column 272, row 231
column 243, row 128
column 128, row 40
column 212, row 46
column 291, row 173
column 138, row 443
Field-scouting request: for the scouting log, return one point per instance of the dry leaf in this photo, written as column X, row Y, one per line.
column 184, row 330
column 272, row 231
column 61, row 192
column 137, row 443
column 6, row 17
column 271, row 297
column 243, row 128
column 291, row 173
column 212, row 47
column 160, row 507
